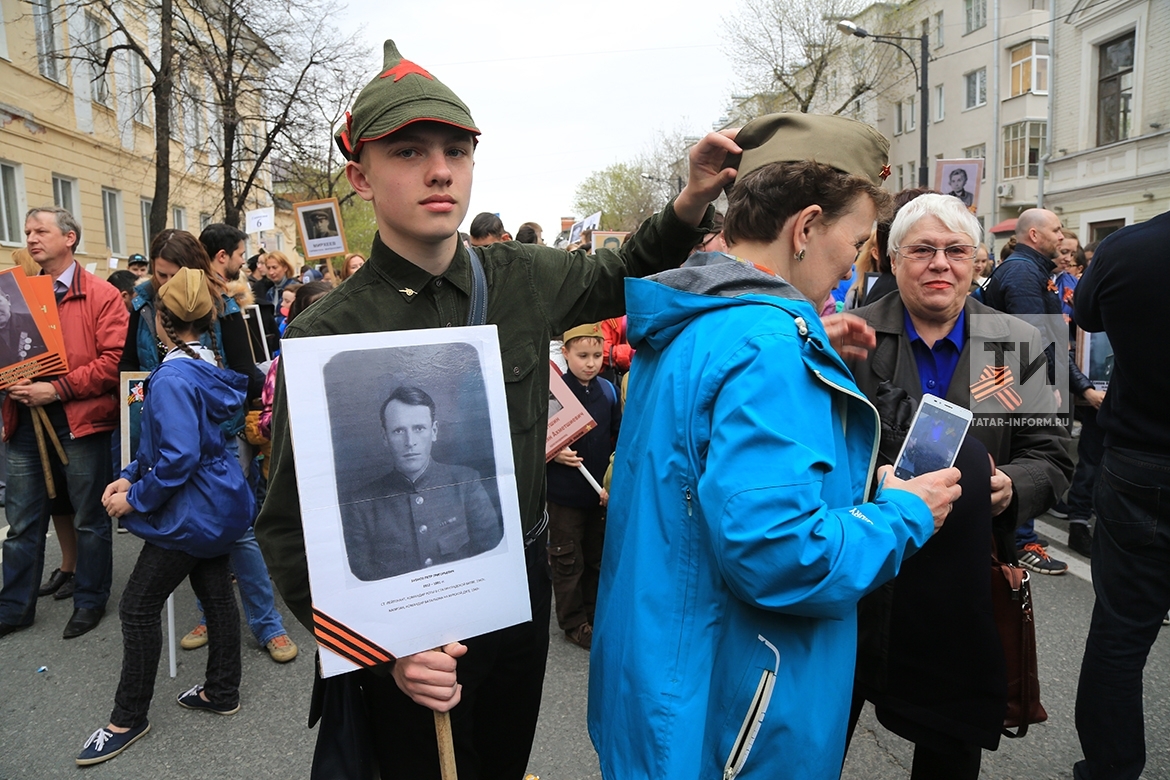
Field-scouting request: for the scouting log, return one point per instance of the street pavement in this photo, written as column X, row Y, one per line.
column 46, row 716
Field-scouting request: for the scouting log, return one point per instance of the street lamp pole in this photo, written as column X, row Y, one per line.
column 849, row 28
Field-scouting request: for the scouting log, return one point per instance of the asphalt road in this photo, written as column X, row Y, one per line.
column 46, row 716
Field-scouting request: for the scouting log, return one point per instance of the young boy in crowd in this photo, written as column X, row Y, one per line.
column 409, row 143
column 576, row 514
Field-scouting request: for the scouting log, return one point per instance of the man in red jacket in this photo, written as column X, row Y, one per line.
column 82, row 406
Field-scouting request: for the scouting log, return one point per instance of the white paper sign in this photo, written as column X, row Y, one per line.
column 112, row 263
column 259, row 220
column 91, row 267
column 411, row 516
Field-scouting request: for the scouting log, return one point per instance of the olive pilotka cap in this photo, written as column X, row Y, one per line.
column 401, row 94
column 839, row 142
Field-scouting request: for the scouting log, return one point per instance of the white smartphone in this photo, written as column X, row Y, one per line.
column 936, row 434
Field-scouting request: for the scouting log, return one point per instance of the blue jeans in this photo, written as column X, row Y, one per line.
column 252, row 578
column 83, row 479
column 1131, row 559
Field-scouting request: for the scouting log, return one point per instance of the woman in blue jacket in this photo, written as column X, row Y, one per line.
column 739, row 538
column 188, row 499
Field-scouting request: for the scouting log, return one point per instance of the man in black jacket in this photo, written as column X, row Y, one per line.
column 1119, row 294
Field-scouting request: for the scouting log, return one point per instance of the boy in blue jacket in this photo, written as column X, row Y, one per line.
column 576, row 514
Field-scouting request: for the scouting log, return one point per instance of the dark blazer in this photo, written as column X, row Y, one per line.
column 1036, row 457
column 929, row 656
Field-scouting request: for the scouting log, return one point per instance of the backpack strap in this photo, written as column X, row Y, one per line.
column 478, row 313
column 608, row 389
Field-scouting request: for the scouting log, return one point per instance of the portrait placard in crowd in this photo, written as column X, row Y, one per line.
column 407, row 489
column 31, row 344
column 320, row 229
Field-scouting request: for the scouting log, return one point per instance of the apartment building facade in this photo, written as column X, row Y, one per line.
column 1110, row 162
column 81, row 139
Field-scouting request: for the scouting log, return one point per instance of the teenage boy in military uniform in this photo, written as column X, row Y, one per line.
column 409, row 142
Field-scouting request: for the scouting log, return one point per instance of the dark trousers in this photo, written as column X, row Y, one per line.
column 939, row 757
column 156, row 574
column 1090, row 450
column 575, row 538
column 494, row 723
column 1131, row 578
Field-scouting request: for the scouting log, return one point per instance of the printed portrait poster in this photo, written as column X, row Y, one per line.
column 961, row 179
column 320, row 228
column 408, row 493
column 1095, row 358
column 132, row 394
column 31, row 344
column 609, row 239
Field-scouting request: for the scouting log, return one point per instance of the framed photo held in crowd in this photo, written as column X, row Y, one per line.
column 961, row 179
column 320, row 229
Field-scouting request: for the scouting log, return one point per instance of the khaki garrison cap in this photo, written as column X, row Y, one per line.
column 186, row 296
column 401, row 94
column 592, row 331
column 845, row 144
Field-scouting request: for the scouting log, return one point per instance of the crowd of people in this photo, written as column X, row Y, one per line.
column 751, row 375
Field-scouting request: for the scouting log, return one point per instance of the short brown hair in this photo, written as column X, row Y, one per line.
column 760, row 203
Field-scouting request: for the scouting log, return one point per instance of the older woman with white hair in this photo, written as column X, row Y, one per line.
column 929, row 655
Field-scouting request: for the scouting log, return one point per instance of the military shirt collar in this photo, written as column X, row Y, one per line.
column 410, row 280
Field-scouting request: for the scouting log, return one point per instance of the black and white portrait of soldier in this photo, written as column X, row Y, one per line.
column 319, row 223
column 957, row 181
column 19, row 337
column 412, row 508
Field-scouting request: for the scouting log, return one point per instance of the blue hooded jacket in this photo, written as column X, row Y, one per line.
column 188, row 493
column 738, row 540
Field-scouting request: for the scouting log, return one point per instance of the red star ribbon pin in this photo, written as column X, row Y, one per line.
column 405, row 68
column 885, row 174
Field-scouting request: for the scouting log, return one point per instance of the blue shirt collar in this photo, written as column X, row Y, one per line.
column 957, row 336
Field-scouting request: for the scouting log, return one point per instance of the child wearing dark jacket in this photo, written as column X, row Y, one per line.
column 188, row 499
column 576, row 513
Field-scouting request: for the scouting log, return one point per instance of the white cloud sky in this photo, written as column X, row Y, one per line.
column 559, row 90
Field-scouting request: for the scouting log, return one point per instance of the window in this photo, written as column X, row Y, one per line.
column 204, row 221
column 901, row 179
column 1098, row 230
column 1115, row 90
column 95, row 34
column 940, row 112
column 911, row 113
column 938, row 30
column 912, row 173
column 1039, row 5
column 976, row 88
column 1023, row 146
column 179, row 218
column 65, row 193
column 10, row 225
column 138, row 94
column 976, row 11
column 898, row 109
column 977, row 153
column 46, row 31
column 1030, row 68
column 112, row 216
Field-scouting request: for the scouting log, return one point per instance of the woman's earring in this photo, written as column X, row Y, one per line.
column 800, row 256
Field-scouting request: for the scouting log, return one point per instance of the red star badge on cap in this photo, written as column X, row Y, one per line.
column 885, row 174
column 404, row 68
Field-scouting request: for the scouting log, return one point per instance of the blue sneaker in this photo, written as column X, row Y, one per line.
column 193, row 701
column 104, row 744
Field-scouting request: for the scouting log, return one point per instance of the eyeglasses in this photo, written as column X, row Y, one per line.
column 924, row 253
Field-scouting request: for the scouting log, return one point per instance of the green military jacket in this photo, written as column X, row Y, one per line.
column 535, row 293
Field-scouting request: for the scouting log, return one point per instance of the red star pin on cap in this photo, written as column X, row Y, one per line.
column 405, row 68
column 885, row 174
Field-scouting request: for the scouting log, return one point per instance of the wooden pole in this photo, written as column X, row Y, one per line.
column 446, row 745
column 44, row 451
column 39, row 411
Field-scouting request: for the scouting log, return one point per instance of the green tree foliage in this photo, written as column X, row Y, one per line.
column 621, row 193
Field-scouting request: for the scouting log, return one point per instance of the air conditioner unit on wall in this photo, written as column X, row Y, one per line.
column 1005, row 190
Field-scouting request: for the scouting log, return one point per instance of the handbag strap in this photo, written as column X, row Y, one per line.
column 478, row 313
